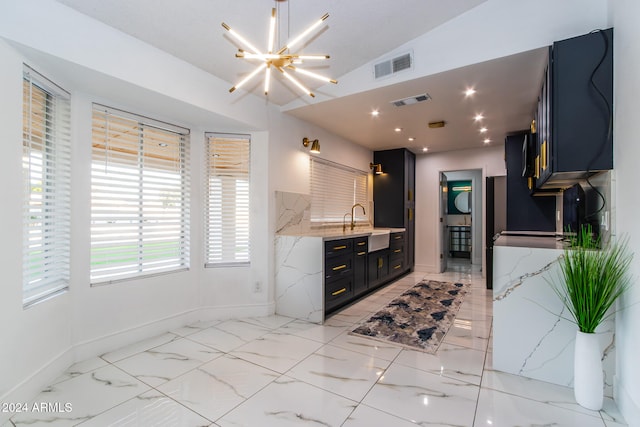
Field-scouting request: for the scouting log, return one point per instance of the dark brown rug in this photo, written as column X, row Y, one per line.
column 419, row 318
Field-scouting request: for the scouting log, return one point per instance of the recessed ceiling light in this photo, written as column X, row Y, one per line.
column 487, row 140
column 425, row 149
column 478, row 117
column 470, row 91
column 398, row 129
column 483, row 130
column 411, row 139
column 375, row 113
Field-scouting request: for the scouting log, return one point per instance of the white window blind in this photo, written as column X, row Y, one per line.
column 139, row 196
column 334, row 190
column 227, row 204
column 46, row 166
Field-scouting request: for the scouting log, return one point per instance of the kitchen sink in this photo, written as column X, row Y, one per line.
column 379, row 239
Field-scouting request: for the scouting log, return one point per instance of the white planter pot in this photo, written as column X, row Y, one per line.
column 588, row 382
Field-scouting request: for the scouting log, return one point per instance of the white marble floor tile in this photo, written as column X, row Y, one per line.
column 191, row 329
column 274, row 321
column 547, row 393
column 364, row 416
column 424, row 398
column 450, row 361
column 81, row 368
column 340, row 371
column 500, row 409
column 373, row 348
column 218, row 386
column 163, row 363
column 150, row 409
column 352, row 317
column 137, row 347
column 277, row 351
column 88, row 395
column 321, row 333
column 288, row 402
column 468, row 334
column 229, row 335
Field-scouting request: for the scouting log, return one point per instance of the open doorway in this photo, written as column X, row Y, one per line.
column 461, row 218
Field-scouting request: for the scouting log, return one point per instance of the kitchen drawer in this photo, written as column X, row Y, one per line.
column 338, row 266
column 396, row 237
column 396, row 265
column 396, row 250
column 361, row 244
column 338, row 292
column 338, row 247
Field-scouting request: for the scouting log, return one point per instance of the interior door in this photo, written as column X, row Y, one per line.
column 444, row 241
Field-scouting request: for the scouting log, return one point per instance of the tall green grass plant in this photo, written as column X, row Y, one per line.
column 592, row 278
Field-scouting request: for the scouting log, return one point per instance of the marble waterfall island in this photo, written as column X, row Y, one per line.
column 531, row 334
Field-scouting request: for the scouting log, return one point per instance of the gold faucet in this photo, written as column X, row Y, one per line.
column 353, row 211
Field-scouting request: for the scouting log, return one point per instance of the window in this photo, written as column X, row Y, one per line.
column 334, row 190
column 139, row 196
column 227, row 205
column 46, row 167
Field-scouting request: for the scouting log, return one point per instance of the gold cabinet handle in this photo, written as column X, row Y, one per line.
column 338, row 292
column 362, row 243
column 397, row 251
column 543, row 148
column 361, row 253
column 398, row 237
column 340, row 267
column 410, row 214
column 336, row 248
column 397, row 266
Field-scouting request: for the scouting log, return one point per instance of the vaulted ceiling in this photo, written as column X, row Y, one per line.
column 356, row 33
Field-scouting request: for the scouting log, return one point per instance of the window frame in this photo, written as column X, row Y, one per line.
column 324, row 177
column 211, row 260
column 145, row 178
column 52, row 175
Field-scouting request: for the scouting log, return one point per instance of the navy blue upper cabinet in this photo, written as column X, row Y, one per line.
column 574, row 116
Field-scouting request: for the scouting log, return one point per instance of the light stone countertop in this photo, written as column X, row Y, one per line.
column 337, row 233
column 540, row 242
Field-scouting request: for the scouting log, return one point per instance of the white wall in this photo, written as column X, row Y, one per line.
column 428, row 167
column 626, row 172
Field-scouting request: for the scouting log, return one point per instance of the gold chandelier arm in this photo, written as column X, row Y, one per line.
column 267, row 80
column 304, row 33
column 249, row 77
column 310, row 56
column 311, row 74
column 296, row 82
column 241, row 39
column 272, row 30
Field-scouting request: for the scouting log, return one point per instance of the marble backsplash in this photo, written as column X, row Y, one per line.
column 293, row 215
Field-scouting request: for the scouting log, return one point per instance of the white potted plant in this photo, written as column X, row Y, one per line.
column 592, row 278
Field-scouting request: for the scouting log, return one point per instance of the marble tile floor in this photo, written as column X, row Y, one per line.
column 277, row 371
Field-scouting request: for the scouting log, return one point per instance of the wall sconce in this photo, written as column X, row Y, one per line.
column 377, row 168
column 315, row 145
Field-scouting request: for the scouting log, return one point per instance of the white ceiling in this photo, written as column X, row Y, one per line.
column 357, row 32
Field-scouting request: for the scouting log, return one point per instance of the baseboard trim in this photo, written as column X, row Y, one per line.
column 28, row 388
column 630, row 410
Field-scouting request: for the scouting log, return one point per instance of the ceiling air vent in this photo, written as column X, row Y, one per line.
column 392, row 66
column 411, row 100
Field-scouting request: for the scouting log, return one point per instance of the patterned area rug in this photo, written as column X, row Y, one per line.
column 419, row 318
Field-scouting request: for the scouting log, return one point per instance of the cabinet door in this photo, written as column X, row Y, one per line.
column 360, row 249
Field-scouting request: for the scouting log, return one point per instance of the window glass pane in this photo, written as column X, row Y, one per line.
column 139, row 197
column 227, row 204
column 334, row 190
column 46, row 167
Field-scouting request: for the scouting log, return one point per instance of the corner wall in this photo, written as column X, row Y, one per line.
column 626, row 67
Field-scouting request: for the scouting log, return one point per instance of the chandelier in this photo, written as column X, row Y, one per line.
column 281, row 59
